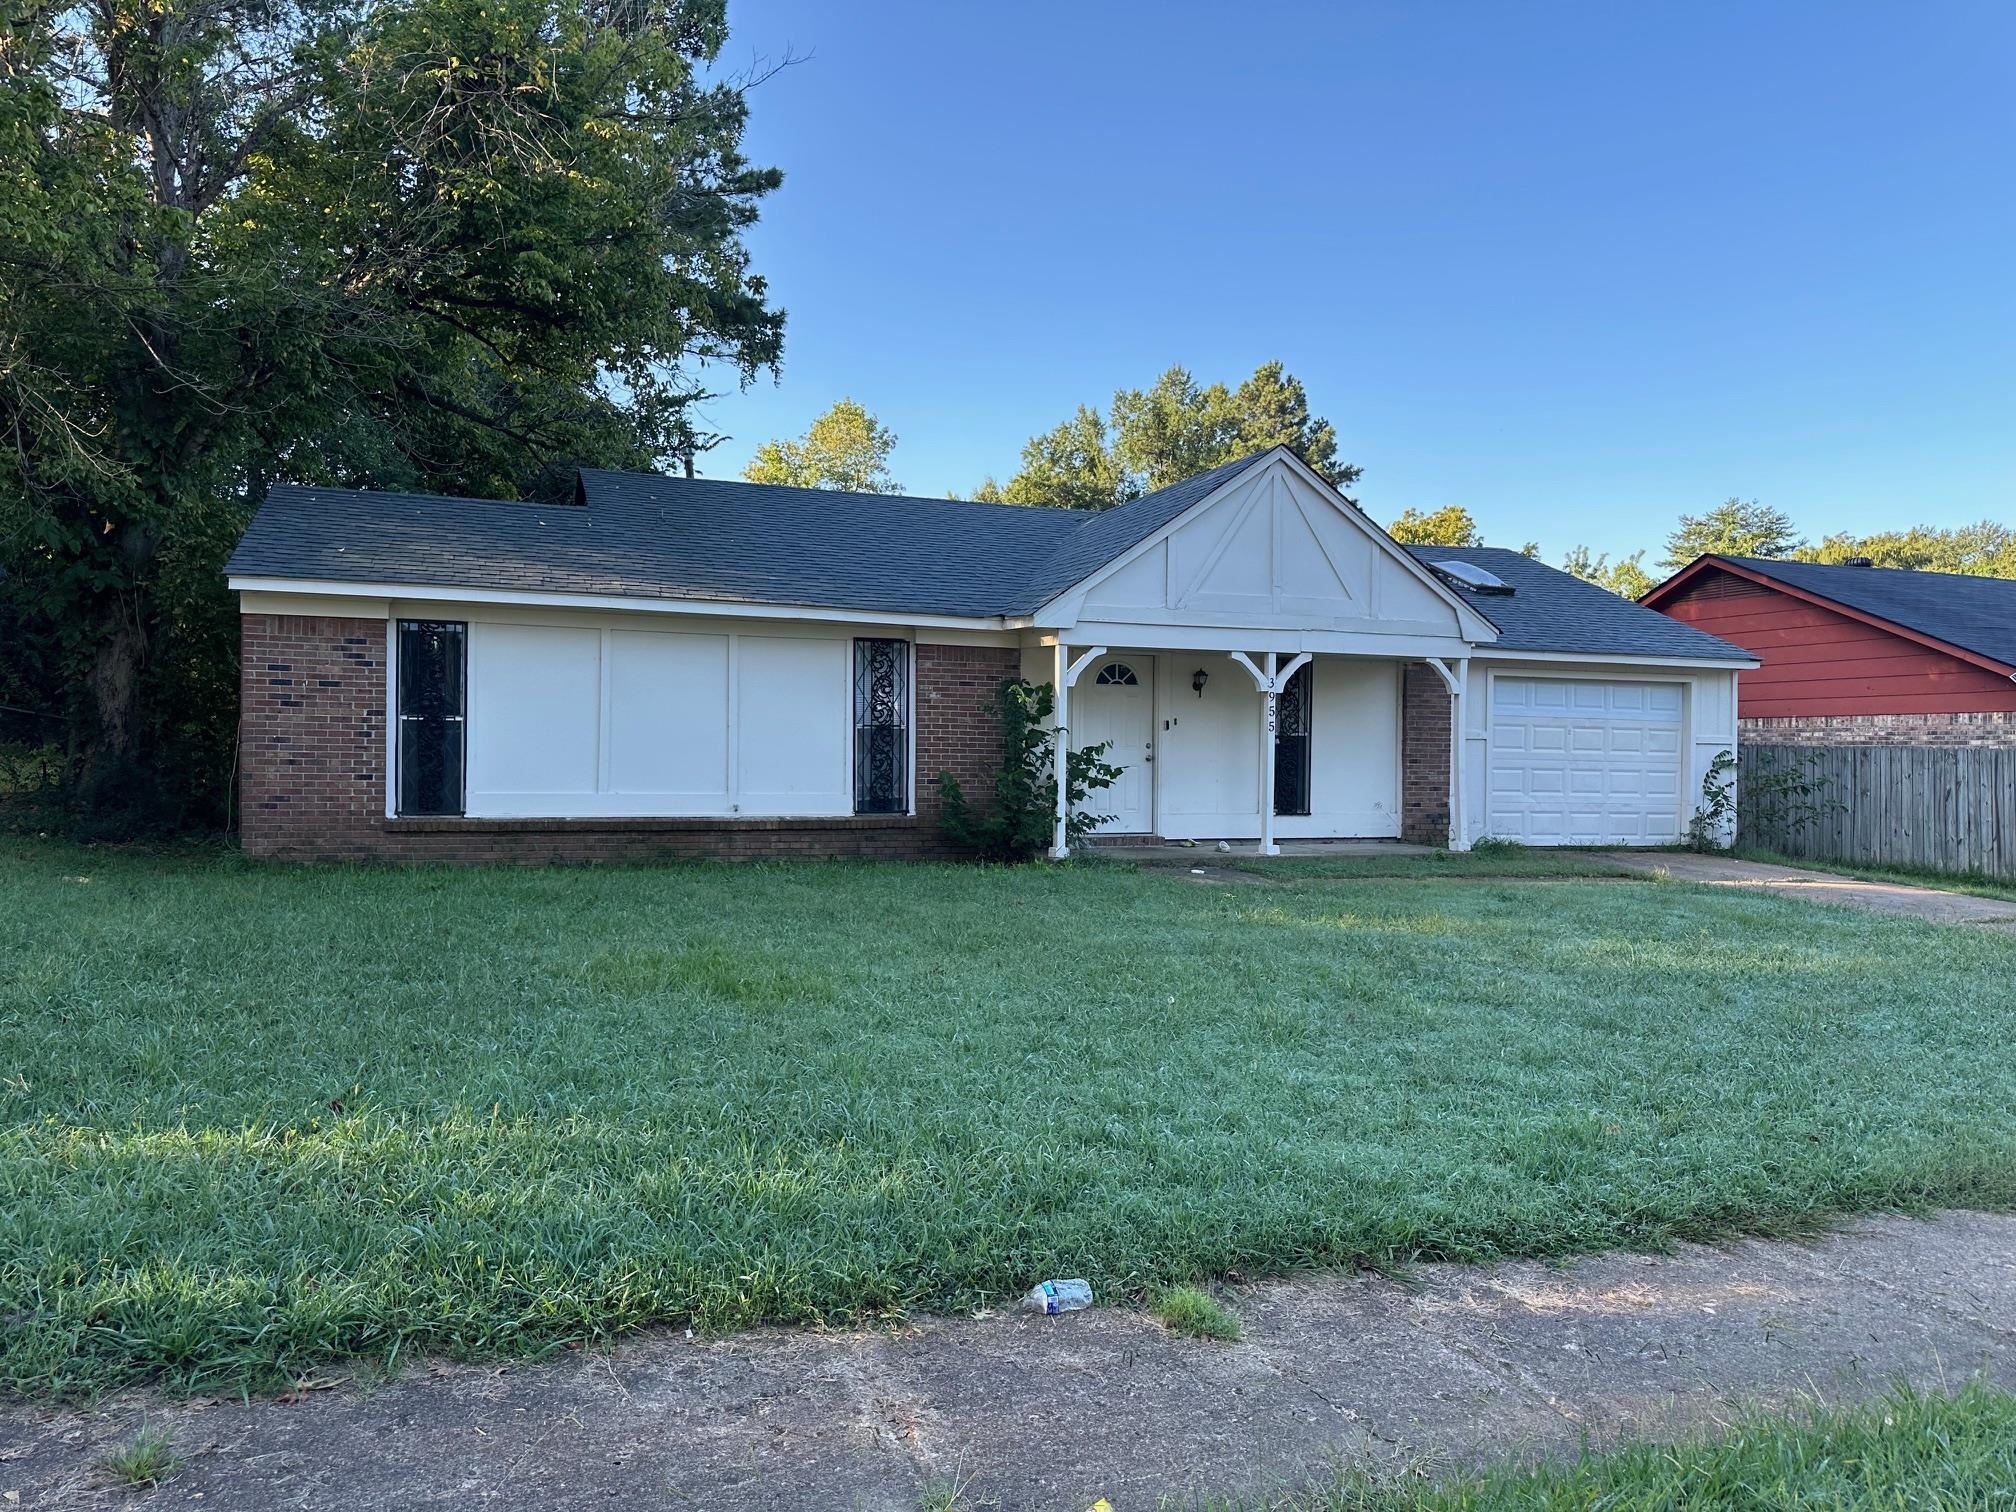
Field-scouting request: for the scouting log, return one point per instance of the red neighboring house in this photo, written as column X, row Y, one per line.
column 1854, row 654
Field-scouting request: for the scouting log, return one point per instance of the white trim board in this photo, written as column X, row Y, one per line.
column 1491, row 654
column 716, row 608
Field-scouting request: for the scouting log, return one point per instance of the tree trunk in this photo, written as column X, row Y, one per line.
column 114, row 688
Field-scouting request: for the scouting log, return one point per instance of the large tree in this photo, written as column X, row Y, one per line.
column 1165, row 433
column 1984, row 549
column 1626, row 577
column 433, row 244
column 1735, row 527
column 1451, row 525
column 846, row 448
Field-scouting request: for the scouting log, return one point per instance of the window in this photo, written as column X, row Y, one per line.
column 1117, row 675
column 433, row 657
column 881, row 727
column 1292, row 724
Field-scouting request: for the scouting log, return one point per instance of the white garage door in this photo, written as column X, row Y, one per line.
column 1577, row 762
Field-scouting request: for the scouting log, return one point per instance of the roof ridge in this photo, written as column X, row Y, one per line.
column 1923, row 572
column 845, row 493
column 429, row 498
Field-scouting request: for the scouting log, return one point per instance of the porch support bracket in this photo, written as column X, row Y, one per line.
column 1269, row 679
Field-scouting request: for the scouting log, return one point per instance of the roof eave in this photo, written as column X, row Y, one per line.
column 682, row 604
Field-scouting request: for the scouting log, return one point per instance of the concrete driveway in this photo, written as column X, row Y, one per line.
column 1457, row 1365
column 1898, row 899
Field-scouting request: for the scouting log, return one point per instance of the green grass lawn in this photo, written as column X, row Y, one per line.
column 1909, row 1450
column 258, row 1118
column 1496, row 861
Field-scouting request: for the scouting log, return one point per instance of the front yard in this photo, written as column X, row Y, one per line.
column 256, row 1118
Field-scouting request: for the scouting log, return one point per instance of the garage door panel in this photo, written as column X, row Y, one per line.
column 1584, row 761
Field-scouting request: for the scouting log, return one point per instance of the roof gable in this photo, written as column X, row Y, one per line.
column 1272, row 546
column 1973, row 615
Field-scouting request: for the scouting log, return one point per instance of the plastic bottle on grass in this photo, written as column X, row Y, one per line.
column 1058, row 1297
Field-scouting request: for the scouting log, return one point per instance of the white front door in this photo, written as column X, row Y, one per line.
column 1114, row 705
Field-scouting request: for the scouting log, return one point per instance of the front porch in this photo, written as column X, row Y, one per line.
column 1273, row 752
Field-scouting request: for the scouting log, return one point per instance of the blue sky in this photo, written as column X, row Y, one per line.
column 1577, row 268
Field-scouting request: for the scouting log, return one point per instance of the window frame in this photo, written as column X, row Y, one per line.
column 904, row 801
column 398, row 715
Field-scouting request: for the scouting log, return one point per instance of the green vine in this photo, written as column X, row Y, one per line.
column 1023, row 819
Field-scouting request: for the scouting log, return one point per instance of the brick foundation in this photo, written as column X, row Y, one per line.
column 1974, row 729
column 1425, row 709
column 312, row 767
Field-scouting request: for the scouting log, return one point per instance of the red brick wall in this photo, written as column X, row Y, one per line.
column 1425, row 705
column 1980, row 729
column 311, row 774
column 312, row 767
column 955, row 731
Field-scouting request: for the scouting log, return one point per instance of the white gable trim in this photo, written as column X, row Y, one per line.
column 1065, row 608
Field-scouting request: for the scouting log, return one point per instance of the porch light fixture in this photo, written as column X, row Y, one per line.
column 1198, row 679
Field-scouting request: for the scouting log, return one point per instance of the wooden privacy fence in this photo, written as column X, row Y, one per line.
column 1949, row 808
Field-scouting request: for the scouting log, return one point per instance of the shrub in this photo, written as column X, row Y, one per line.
column 1023, row 819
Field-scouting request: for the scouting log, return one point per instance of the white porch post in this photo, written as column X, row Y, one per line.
column 1269, row 712
column 1060, row 709
column 1268, row 680
column 1455, row 675
column 1067, row 676
column 1459, row 746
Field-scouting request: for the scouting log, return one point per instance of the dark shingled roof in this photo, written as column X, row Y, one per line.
column 640, row 535
column 1977, row 614
column 1552, row 610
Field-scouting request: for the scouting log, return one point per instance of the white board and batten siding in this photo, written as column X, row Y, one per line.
column 1275, row 556
column 1591, row 755
column 1207, row 763
column 575, row 721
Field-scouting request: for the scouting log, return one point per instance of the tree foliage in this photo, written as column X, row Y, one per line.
column 1172, row 430
column 1023, row 820
column 1984, row 549
column 1450, row 525
column 1626, row 577
column 1735, row 527
column 459, row 245
column 846, row 448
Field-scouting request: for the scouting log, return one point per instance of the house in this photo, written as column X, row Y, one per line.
column 668, row 666
column 1854, row 654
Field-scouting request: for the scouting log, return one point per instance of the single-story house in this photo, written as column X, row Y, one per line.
column 688, row 666
column 1853, row 654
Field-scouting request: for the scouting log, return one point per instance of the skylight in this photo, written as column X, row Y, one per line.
column 1476, row 579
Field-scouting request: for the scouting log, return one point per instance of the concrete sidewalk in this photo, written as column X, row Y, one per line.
column 1897, row 899
column 1461, row 1364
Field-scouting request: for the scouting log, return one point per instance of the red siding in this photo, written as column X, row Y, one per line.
column 1819, row 662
